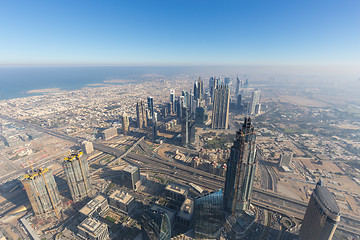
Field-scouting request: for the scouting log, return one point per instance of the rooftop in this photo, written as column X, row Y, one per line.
column 130, row 168
column 186, row 210
column 122, row 197
column 174, row 187
column 35, row 172
column 92, row 205
column 327, row 198
column 92, row 225
column 73, row 156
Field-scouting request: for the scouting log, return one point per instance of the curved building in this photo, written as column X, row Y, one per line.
column 155, row 225
column 322, row 215
column 209, row 215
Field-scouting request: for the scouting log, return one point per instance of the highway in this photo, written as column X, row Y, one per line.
column 262, row 198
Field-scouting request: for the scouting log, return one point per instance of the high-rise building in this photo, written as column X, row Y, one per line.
column 200, row 115
column 198, row 90
column 154, row 129
column 41, row 189
column 215, row 83
column 209, row 216
column 125, row 123
column 172, row 98
column 220, row 113
column 141, row 115
column 77, row 173
column 93, row 229
column 227, row 80
column 239, row 102
column 131, row 176
column 150, row 102
column 322, row 215
column 187, row 128
column 255, row 99
column 237, row 87
column 155, row 225
column 241, row 167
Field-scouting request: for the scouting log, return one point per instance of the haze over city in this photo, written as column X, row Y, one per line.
column 180, row 120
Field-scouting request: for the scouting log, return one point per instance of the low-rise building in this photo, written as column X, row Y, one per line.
column 95, row 207
column 93, row 229
column 176, row 191
column 122, row 201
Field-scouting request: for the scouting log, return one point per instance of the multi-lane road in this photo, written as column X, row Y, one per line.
column 262, row 198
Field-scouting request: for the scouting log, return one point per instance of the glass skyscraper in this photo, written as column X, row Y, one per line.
column 155, row 225
column 241, row 168
column 209, row 215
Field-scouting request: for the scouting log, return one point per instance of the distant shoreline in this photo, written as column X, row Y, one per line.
column 45, row 90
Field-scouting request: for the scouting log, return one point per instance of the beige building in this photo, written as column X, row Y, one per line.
column 93, row 229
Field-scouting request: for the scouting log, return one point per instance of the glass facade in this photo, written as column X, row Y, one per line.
column 155, row 225
column 209, row 215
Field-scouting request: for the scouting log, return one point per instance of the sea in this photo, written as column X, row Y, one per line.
column 15, row 82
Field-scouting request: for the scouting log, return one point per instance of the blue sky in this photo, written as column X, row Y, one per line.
column 174, row 32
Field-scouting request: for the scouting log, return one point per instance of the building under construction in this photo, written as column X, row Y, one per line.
column 77, row 173
column 42, row 192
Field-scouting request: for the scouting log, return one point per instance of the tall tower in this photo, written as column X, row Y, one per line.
column 237, row 87
column 41, row 189
column 198, row 90
column 141, row 115
column 255, row 100
column 172, row 99
column 241, row 168
column 187, row 128
column 220, row 113
column 125, row 123
column 77, row 173
column 322, row 215
column 150, row 101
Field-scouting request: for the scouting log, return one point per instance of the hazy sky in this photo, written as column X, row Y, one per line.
column 182, row 32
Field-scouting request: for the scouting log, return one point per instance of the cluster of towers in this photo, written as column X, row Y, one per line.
column 42, row 190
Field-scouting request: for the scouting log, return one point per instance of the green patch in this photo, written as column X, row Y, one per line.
column 110, row 219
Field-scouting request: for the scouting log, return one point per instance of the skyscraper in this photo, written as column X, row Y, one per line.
column 255, row 100
column 214, row 83
column 155, row 225
column 187, row 128
column 198, row 90
column 209, row 215
column 77, row 173
column 141, row 115
column 241, row 168
column 322, row 215
column 237, row 87
column 125, row 123
column 154, row 129
column 220, row 113
column 150, row 102
column 172, row 98
column 41, row 189
column 227, row 80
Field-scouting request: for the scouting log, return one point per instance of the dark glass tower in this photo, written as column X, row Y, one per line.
column 322, row 215
column 155, row 225
column 209, row 215
column 241, row 168
column 221, row 103
column 150, row 101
